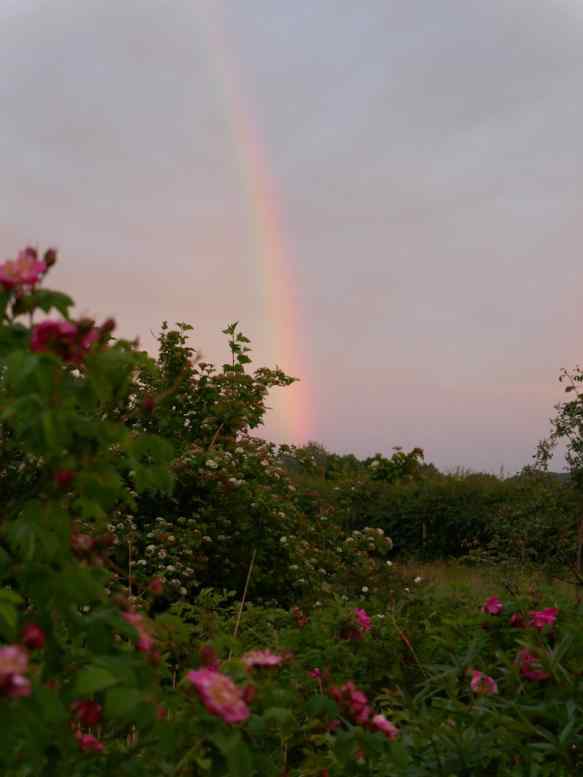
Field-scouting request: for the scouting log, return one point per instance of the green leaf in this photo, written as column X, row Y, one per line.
column 93, row 679
column 240, row 761
column 9, row 600
column 120, row 702
column 319, row 706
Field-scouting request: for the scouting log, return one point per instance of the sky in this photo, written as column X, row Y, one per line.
column 386, row 195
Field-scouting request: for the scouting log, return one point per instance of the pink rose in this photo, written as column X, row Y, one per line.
column 492, row 606
column 363, row 619
column 263, row 658
column 541, row 618
column 380, row 723
column 87, row 712
column 13, row 666
column 33, row 637
column 483, row 684
column 354, row 701
column 220, row 695
column 145, row 642
column 530, row 666
column 25, row 270
column 90, row 744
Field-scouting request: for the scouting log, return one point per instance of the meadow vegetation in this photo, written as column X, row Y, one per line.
column 180, row 597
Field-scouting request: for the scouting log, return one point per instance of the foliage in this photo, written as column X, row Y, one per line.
column 178, row 597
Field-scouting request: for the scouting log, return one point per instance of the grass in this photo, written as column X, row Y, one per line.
column 453, row 577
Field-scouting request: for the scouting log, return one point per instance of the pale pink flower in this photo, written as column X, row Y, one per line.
column 25, row 270
column 261, row 658
column 483, row 684
column 363, row 618
column 541, row 618
column 220, row 695
column 13, row 665
column 380, row 723
column 493, row 606
column 13, row 660
column 145, row 642
column 82, row 543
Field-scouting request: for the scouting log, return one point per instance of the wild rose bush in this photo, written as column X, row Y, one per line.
column 108, row 667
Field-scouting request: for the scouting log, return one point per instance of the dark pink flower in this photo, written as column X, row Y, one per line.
column 25, row 270
column 541, row 618
column 52, row 335
column 483, row 684
column 90, row 744
column 492, row 606
column 33, row 637
column 316, row 673
column 380, row 723
column 16, row 686
column 220, row 695
column 517, row 620
column 353, row 700
column 71, row 342
column 87, row 712
column 530, row 666
column 156, row 586
column 363, row 619
column 263, row 658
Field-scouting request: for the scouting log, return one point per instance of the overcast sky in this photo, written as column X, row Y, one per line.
column 427, row 162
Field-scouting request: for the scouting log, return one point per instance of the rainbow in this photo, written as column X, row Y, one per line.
column 282, row 303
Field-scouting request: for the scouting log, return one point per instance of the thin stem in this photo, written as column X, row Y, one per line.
column 244, row 597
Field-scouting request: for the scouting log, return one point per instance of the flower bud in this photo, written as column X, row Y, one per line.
column 50, row 257
column 149, row 404
column 249, row 693
column 108, row 326
column 87, row 712
column 64, row 477
column 33, row 637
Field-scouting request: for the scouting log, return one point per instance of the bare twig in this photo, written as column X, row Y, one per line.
column 244, row 597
